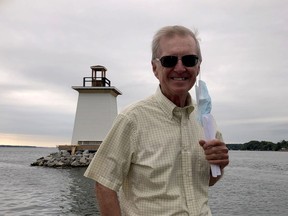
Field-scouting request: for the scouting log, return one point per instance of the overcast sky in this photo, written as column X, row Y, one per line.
column 48, row 46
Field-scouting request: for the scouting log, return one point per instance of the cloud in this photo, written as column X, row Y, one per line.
column 50, row 45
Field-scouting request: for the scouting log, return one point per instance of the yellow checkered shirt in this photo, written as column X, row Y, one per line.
column 152, row 157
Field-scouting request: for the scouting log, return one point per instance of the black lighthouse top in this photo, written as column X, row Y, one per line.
column 98, row 78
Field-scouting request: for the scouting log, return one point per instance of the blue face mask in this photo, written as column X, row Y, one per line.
column 205, row 117
column 203, row 99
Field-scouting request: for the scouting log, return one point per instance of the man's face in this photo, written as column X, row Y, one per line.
column 178, row 80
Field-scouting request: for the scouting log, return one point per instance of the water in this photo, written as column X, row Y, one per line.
column 255, row 184
column 26, row 190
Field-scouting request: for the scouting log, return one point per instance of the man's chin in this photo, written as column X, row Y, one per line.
column 182, row 88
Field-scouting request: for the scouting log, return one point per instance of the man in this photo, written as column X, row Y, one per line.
column 154, row 161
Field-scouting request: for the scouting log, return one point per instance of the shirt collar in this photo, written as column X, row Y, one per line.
column 168, row 106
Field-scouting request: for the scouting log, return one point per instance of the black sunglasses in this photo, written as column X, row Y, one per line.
column 171, row 61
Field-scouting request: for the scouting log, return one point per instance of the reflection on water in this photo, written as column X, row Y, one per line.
column 82, row 194
column 40, row 190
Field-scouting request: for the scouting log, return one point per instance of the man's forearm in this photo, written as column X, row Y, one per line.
column 107, row 200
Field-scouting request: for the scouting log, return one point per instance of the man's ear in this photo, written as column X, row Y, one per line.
column 154, row 67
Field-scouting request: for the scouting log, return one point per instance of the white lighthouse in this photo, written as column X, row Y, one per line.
column 96, row 108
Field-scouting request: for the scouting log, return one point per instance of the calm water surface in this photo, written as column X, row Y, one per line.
column 26, row 190
column 255, row 183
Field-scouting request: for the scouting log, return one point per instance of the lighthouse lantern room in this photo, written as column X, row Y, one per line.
column 96, row 108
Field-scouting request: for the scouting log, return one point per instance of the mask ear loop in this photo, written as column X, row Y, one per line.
column 198, row 93
column 198, row 78
column 197, row 87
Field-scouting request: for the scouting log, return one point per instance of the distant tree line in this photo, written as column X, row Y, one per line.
column 260, row 146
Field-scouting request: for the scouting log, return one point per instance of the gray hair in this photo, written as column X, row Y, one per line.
column 170, row 31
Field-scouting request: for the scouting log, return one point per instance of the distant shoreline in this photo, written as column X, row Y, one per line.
column 19, row 146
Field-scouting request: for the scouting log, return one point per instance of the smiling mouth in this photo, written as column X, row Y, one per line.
column 179, row 78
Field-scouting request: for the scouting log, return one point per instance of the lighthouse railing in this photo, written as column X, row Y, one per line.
column 96, row 81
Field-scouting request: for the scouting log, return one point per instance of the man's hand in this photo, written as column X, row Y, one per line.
column 216, row 153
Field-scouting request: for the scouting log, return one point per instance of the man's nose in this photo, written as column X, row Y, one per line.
column 179, row 66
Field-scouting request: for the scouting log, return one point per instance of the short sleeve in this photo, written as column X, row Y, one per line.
column 112, row 161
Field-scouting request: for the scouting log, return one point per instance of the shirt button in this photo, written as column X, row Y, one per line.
column 186, row 150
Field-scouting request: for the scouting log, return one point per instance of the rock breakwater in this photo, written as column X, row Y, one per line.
column 65, row 159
